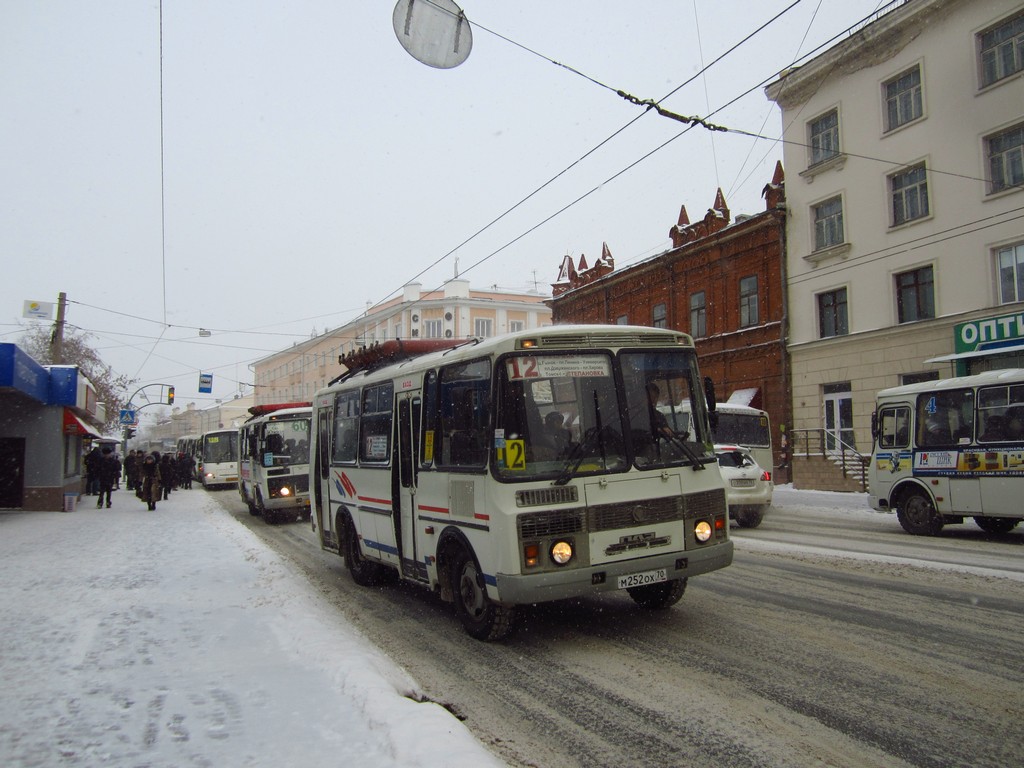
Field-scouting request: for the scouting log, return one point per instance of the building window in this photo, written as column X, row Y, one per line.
column 903, row 99
column 909, row 195
column 1005, row 159
column 698, row 315
column 828, row 223
column 824, row 137
column 622, row 320
column 917, row 378
column 915, row 295
column 514, row 326
column 432, row 329
column 748, row 301
column 1002, row 51
column 483, row 327
column 659, row 318
column 832, row 316
column 1011, row 273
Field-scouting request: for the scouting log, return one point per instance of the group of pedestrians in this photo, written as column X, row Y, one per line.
column 151, row 475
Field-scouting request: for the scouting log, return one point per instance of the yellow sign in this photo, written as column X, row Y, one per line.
column 515, row 454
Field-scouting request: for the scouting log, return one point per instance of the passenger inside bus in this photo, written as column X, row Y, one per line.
column 994, row 429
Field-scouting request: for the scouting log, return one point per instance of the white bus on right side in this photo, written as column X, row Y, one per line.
column 950, row 449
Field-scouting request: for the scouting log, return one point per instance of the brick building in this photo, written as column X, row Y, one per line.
column 721, row 282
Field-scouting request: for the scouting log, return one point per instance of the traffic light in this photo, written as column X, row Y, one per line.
column 170, row 395
column 129, row 433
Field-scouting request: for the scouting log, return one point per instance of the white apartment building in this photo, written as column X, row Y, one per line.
column 905, row 233
column 457, row 311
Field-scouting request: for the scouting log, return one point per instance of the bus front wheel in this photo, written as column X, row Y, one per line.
column 364, row 572
column 658, row 596
column 481, row 617
column 917, row 514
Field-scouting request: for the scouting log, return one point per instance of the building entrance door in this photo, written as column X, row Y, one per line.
column 838, row 418
column 12, row 472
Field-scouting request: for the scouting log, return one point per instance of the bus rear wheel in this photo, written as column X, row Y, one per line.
column 658, row 596
column 917, row 515
column 996, row 524
column 481, row 617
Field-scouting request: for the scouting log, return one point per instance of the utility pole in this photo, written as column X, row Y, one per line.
column 57, row 337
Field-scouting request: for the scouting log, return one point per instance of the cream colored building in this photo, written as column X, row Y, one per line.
column 905, row 240
column 457, row 311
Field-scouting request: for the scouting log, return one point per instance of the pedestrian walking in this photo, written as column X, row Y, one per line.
column 149, row 480
column 167, row 473
column 92, row 471
column 130, row 470
column 107, row 474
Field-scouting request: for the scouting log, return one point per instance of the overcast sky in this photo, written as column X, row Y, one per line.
column 284, row 164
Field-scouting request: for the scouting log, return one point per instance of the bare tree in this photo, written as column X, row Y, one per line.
column 111, row 387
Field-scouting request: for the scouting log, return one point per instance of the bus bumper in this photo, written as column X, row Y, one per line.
column 573, row 582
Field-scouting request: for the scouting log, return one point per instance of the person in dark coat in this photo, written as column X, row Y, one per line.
column 130, row 470
column 167, row 474
column 108, row 473
column 92, row 471
column 185, row 466
column 149, row 480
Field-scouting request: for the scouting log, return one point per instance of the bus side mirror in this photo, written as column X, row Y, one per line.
column 709, row 394
column 712, row 400
column 874, row 425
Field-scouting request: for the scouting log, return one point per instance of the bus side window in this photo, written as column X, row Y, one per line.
column 895, row 432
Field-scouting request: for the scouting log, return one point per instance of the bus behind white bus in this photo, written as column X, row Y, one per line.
column 217, row 459
column 947, row 450
column 273, row 476
column 520, row 469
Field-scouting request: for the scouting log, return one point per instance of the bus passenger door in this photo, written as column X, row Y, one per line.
column 404, row 483
column 322, row 516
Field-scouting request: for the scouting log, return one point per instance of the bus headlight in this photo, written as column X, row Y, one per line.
column 286, row 491
column 702, row 531
column 561, row 552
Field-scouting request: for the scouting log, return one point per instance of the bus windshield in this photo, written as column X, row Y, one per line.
column 286, row 442
column 570, row 413
column 220, row 448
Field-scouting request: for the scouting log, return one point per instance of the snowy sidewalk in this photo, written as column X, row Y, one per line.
column 177, row 638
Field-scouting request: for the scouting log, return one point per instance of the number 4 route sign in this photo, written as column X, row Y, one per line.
column 127, row 417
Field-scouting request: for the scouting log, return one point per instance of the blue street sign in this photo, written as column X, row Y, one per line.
column 206, row 382
column 126, row 417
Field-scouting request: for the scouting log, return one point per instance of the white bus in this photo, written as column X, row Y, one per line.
column 732, row 424
column 520, row 469
column 748, row 427
column 947, row 450
column 217, row 458
column 273, row 477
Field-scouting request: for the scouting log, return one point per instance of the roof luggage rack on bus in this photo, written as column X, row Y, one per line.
column 384, row 353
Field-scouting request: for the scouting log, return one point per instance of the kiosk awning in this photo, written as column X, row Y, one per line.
column 75, row 426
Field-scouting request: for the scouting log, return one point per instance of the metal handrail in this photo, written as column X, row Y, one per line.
column 843, row 452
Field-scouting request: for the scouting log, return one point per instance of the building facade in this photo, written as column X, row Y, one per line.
column 905, row 246
column 457, row 311
column 720, row 282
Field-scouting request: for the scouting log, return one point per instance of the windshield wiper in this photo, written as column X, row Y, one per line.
column 680, row 443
